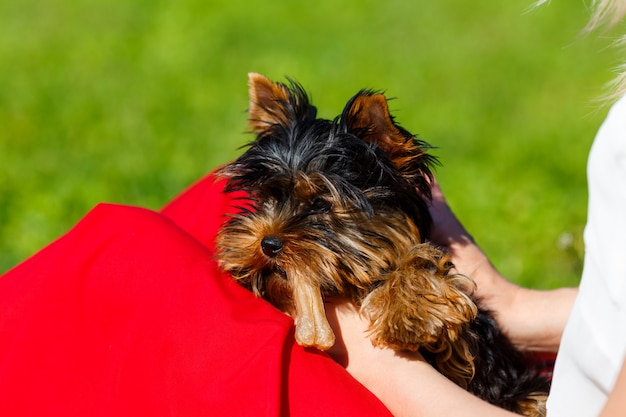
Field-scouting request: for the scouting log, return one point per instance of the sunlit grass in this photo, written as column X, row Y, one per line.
column 130, row 102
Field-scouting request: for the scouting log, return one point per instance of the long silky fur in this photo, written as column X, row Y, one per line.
column 348, row 200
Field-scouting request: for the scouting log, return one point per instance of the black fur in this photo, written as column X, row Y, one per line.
column 361, row 172
column 504, row 375
column 364, row 175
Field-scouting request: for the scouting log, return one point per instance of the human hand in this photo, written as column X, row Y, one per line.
column 447, row 229
column 520, row 312
column 450, row 234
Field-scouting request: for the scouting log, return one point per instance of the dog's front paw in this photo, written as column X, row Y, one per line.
column 419, row 304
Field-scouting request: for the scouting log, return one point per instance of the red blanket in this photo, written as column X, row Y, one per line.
column 127, row 315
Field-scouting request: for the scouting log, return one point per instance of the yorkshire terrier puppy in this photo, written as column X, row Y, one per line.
column 340, row 208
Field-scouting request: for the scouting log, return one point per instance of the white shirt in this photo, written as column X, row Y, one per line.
column 593, row 346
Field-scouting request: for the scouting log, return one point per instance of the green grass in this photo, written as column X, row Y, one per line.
column 131, row 101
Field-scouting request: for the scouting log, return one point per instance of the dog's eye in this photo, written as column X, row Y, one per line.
column 319, row 206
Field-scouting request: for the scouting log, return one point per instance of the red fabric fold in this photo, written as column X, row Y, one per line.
column 201, row 209
column 128, row 315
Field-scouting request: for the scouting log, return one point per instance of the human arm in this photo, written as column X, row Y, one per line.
column 404, row 382
column 521, row 312
column 616, row 401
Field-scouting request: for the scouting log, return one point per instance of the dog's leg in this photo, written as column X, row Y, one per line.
column 419, row 304
column 312, row 328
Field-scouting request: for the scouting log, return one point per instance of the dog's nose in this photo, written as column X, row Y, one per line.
column 271, row 245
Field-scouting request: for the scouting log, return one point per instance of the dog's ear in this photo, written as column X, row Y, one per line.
column 274, row 104
column 367, row 116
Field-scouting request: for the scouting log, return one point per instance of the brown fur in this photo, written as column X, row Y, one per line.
column 321, row 224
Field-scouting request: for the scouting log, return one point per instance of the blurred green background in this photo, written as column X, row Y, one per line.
column 132, row 101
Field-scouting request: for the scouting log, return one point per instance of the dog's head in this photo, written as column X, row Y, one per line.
column 331, row 203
